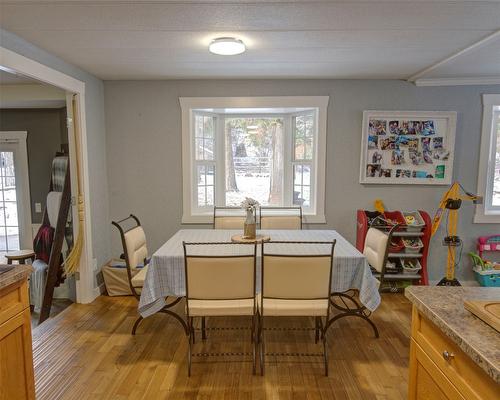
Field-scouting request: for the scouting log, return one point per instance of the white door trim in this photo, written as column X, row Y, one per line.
column 13, row 62
column 18, row 140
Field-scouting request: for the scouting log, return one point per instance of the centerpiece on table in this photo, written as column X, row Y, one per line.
column 249, row 229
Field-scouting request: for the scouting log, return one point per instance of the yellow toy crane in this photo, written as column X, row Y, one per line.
column 451, row 202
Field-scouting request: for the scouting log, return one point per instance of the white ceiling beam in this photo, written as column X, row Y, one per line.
column 459, row 53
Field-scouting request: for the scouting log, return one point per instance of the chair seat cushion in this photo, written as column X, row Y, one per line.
column 213, row 308
column 138, row 279
column 296, row 308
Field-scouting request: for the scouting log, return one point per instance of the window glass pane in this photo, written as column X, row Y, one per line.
column 201, row 196
column 209, row 149
column 300, row 128
column 308, row 149
column 254, row 160
column 201, row 175
column 306, row 175
column 210, row 175
column 210, row 196
column 198, row 126
column 299, row 149
column 306, row 195
column 297, row 180
column 496, row 179
column 11, row 213
column 199, row 149
column 208, row 127
column 298, row 200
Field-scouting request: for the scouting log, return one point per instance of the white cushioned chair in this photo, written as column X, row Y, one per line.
column 281, row 218
column 296, row 281
column 229, row 218
column 219, row 284
column 135, row 253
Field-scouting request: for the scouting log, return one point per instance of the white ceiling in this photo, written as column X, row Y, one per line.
column 116, row 39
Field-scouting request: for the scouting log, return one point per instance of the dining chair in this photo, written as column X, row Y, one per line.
column 376, row 251
column 135, row 253
column 220, row 281
column 281, row 218
column 296, row 280
column 228, row 218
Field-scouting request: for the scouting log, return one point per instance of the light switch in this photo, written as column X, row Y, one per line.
column 38, row 207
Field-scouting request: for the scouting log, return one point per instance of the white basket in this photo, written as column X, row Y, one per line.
column 407, row 269
column 411, row 249
column 419, row 222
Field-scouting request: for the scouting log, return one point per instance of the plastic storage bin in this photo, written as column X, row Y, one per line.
column 395, row 217
column 396, row 245
column 413, row 220
column 411, row 266
column 488, row 278
column 413, row 245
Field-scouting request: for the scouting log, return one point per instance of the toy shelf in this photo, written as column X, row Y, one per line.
column 421, row 231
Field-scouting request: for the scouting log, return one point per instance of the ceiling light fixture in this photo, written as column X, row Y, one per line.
column 226, row 46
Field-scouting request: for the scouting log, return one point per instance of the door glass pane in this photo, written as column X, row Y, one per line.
column 496, row 179
column 9, row 220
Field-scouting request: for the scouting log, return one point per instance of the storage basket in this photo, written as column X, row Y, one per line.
column 396, row 245
column 417, row 224
column 411, row 266
column 488, row 278
column 395, row 217
column 413, row 245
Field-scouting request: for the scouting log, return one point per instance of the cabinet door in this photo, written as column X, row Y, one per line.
column 427, row 382
column 16, row 358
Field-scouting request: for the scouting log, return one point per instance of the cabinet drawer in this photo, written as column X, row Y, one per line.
column 458, row 367
column 427, row 382
column 13, row 300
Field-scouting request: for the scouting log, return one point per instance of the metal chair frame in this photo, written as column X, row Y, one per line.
column 190, row 320
column 320, row 327
column 165, row 309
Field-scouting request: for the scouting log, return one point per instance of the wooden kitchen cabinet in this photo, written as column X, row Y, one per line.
column 440, row 370
column 16, row 355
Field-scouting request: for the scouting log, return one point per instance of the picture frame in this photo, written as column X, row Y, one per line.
column 407, row 147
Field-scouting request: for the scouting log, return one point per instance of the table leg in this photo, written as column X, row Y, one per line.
column 354, row 309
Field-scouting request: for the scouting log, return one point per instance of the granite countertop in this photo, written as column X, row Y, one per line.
column 19, row 272
column 444, row 306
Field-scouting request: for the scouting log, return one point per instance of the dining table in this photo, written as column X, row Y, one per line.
column 165, row 276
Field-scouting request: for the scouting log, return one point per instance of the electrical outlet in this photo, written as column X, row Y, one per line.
column 38, row 207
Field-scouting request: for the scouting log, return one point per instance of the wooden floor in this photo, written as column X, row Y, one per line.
column 87, row 352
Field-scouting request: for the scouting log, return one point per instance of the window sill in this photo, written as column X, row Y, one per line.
column 208, row 219
column 482, row 218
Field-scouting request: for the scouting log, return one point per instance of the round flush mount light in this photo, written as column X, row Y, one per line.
column 226, row 46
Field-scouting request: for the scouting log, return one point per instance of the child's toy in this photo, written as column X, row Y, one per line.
column 488, row 243
column 487, row 272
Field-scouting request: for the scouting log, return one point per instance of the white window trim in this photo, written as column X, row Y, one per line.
column 488, row 143
column 190, row 103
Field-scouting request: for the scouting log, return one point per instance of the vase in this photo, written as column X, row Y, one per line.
column 249, row 227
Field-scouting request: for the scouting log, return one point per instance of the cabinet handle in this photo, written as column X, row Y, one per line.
column 448, row 356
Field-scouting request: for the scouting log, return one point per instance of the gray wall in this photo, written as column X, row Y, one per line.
column 45, row 135
column 96, row 137
column 143, row 126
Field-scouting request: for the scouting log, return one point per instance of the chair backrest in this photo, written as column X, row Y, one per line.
column 281, row 218
column 137, row 250
column 220, row 271
column 229, row 218
column 297, row 270
column 134, row 245
column 376, row 248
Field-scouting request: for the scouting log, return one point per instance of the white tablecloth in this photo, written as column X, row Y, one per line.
column 165, row 275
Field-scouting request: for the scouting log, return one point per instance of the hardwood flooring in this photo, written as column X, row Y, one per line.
column 87, row 352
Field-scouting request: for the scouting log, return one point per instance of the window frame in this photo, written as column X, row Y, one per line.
column 191, row 106
column 486, row 212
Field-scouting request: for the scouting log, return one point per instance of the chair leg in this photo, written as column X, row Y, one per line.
column 203, row 330
column 191, row 329
column 136, row 324
column 254, row 346
column 325, row 346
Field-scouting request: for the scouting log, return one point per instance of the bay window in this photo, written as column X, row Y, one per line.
column 270, row 149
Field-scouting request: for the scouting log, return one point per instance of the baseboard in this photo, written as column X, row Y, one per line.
column 99, row 290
